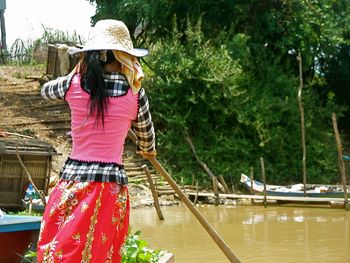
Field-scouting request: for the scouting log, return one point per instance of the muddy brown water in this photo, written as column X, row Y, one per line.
column 254, row 233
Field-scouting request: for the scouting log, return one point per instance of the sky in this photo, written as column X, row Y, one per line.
column 25, row 19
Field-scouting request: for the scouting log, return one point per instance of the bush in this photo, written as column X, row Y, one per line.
column 235, row 109
column 136, row 251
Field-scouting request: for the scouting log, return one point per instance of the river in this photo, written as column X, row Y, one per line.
column 254, row 233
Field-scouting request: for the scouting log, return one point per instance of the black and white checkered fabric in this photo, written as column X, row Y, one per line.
column 143, row 125
column 117, row 86
column 75, row 170
column 57, row 88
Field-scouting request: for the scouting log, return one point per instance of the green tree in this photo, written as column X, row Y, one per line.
column 225, row 72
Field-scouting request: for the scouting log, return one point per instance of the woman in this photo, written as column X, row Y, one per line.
column 87, row 216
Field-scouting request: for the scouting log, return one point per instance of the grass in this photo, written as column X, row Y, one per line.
column 24, row 213
column 26, row 70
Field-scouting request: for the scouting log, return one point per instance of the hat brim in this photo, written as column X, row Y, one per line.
column 137, row 52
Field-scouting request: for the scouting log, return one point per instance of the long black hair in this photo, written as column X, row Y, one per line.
column 92, row 80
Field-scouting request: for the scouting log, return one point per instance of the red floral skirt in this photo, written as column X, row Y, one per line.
column 84, row 222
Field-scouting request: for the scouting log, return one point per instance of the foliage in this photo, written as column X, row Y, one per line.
column 217, row 16
column 337, row 73
column 225, row 74
column 29, row 255
column 51, row 35
column 192, row 75
column 22, row 52
column 135, row 250
column 231, row 130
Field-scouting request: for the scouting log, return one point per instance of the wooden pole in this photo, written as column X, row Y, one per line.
column 201, row 163
column 197, row 191
column 302, row 118
column 30, row 178
column 251, row 180
column 216, row 190
column 251, row 183
column 224, row 184
column 211, row 231
column 3, row 30
column 340, row 160
column 154, row 193
column 264, row 179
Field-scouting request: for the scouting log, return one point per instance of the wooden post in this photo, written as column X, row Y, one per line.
column 30, row 208
column 223, row 182
column 216, row 190
column 340, row 160
column 232, row 184
column 183, row 185
column 48, row 173
column 197, row 191
column 153, row 190
column 3, row 30
column 3, row 46
column 264, row 179
column 201, row 163
column 1, row 163
column 251, row 183
column 302, row 119
column 251, row 180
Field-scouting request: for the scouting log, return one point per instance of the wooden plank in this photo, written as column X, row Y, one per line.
column 42, row 161
column 166, row 192
column 268, row 197
column 30, row 153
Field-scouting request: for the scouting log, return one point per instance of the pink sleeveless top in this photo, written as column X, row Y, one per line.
column 91, row 141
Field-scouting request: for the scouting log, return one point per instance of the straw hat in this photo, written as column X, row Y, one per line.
column 111, row 34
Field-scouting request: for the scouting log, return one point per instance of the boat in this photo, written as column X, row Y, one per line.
column 296, row 190
column 17, row 234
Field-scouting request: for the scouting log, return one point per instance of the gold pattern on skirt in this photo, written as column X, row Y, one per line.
column 76, row 237
column 86, row 254
column 103, row 238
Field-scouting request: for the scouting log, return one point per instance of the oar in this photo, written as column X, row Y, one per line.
column 211, row 231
